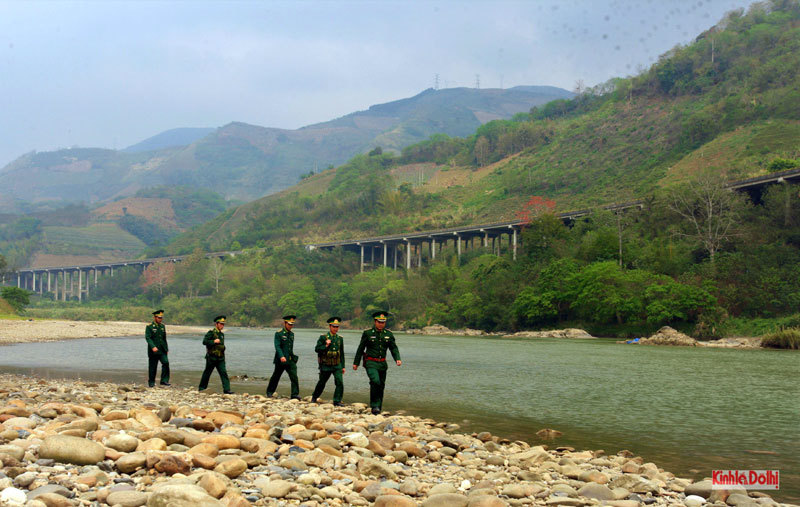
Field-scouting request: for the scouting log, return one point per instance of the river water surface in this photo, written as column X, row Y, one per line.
column 689, row 410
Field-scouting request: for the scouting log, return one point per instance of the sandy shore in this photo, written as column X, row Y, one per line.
column 25, row 331
column 70, row 443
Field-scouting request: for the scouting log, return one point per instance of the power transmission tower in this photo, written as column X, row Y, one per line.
column 436, row 82
column 478, row 81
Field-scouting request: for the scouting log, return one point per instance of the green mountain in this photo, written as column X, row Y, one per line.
column 247, row 161
column 170, row 138
column 725, row 104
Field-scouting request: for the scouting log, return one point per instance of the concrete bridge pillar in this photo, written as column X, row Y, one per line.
column 33, row 283
column 48, row 281
column 385, row 255
column 55, row 288
column 433, row 249
column 514, row 244
column 408, row 254
column 458, row 245
column 361, row 264
column 394, row 256
column 485, row 239
column 95, row 277
column 372, row 254
column 18, row 282
column 80, row 284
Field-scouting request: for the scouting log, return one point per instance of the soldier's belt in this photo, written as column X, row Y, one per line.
column 376, row 359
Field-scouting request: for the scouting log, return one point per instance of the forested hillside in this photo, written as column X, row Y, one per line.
column 671, row 136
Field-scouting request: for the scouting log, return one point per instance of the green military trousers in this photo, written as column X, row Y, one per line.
column 219, row 364
column 289, row 367
column 377, row 383
column 324, row 375
column 153, row 358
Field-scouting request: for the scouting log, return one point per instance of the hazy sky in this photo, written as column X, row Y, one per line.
column 109, row 74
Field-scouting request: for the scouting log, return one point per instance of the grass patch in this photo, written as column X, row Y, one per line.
column 740, row 326
column 126, row 313
column 788, row 338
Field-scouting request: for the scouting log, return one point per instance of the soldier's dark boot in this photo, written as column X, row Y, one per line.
column 338, row 404
column 376, row 410
column 313, row 400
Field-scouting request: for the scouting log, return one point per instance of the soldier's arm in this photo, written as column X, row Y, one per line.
column 341, row 353
column 361, row 346
column 393, row 348
column 166, row 346
column 278, row 347
column 208, row 339
column 321, row 347
column 148, row 335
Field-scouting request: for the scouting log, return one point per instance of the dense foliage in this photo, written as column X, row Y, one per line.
column 610, row 273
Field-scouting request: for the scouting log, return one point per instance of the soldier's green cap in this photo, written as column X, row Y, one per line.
column 290, row 318
column 158, row 313
column 334, row 321
column 220, row 318
column 380, row 316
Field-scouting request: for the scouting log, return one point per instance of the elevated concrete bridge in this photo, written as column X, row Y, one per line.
column 404, row 250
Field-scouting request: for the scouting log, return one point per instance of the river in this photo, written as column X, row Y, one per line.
column 689, row 410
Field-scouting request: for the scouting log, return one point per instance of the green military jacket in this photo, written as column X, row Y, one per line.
column 156, row 336
column 373, row 346
column 214, row 350
column 330, row 357
column 284, row 346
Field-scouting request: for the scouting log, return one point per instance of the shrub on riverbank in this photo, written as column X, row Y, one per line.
column 782, row 339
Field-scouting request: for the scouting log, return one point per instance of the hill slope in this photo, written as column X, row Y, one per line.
column 253, row 161
column 732, row 114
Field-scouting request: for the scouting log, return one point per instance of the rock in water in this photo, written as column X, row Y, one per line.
column 75, row 450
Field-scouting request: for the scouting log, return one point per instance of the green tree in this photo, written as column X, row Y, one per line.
column 16, row 297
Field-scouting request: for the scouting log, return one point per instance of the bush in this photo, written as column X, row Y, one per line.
column 16, row 297
column 788, row 338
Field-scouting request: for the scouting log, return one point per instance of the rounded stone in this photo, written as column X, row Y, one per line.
column 446, row 500
column 13, row 496
column 122, row 442
column 232, row 468
column 277, row 489
column 394, row 501
column 486, row 501
column 182, row 495
column 68, row 449
column 127, row 498
column 131, row 462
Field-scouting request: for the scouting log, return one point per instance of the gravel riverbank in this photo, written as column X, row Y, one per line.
column 66, row 443
column 25, row 331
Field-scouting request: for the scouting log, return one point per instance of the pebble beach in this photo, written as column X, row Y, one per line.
column 26, row 331
column 71, row 442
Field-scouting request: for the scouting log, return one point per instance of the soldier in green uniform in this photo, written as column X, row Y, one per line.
column 214, row 341
column 156, row 335
column 285, row 360
column 330, row 355
column 373, row 346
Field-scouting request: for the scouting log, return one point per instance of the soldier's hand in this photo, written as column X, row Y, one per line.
column 355, row 367
column 399, row 362
column 216, row 341
column 283, row 359
column 327, row 342
column 155, row 349
column 344, row 370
